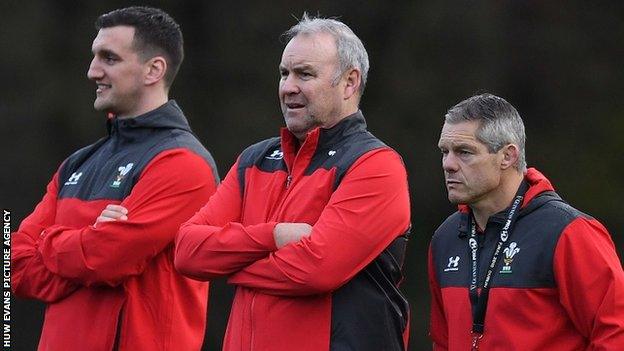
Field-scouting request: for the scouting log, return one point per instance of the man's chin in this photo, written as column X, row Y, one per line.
column 456, row 199
column 101, row 105
column 104, row 106
column 298, row 132
column 296, row 124
column 295, row 115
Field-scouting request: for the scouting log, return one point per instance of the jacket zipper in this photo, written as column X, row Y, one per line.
column 251, row 320
column 281, row 201
column 289, row 181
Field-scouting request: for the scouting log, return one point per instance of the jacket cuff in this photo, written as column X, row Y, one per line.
column 263, row 234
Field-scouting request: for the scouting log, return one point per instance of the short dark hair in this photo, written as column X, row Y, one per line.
column 155, row 33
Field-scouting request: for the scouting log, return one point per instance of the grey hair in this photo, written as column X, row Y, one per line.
column 500, row 123
column 351, row 51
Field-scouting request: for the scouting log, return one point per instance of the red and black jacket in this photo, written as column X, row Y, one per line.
column 115, row 282
column 561, row 288
column 334, row 290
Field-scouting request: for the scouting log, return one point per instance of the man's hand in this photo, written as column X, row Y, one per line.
column 112, row 213
column 286, row 233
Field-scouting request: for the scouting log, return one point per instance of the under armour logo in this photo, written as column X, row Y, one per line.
column 73, row 179
column 453, row 264
column 331, row 152
column 276, row 155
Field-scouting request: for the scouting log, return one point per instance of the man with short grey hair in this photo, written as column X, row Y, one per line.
column 311, row 226
column 351, row 51
column 516, row 268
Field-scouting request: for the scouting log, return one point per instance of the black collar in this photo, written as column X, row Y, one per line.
column 499, row 217
column 167, row 116
column 354, row 123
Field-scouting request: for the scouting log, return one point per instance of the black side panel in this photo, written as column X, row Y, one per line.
column 343, row 154
column 109, row 168
column 82, row 172
column 534, row 239
column 369, row 313
column 172, row 139
column 75, row 160
column 191, row 142
column 266, row 155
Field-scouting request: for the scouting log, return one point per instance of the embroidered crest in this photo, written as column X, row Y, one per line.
column 510, row 251
column 123, row 170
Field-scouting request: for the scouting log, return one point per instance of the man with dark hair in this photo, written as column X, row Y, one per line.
column 98, row 248
column 155, row 34
column 310, row 227
column 516, row 268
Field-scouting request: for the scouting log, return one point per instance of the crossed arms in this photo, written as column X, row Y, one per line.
column 51, row 260
column 364, row 215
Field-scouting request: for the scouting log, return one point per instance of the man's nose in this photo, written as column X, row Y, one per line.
column 449, row 163
column 94, row 72
column 288, row 85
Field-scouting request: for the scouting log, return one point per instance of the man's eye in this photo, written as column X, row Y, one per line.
column 110, row 59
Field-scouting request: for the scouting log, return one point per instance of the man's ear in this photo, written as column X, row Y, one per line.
column 155, row 69
column 353, row 81
column 511, row 154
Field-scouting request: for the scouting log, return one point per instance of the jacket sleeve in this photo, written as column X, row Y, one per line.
column 213, row 243
column 364, row 215
column 30, row 278
column 170, row 188
column 591, row 283
column 438, row 328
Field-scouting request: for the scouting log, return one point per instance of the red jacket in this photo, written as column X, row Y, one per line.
column 563, row 289
column 337, row 288
column 115, row 283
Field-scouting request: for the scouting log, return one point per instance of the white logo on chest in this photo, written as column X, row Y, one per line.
column 73, row 179
column 510, row 251
column 123, row 170
column 276, row 155
column 453, row 264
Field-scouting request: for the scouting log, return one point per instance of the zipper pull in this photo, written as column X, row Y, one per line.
column 288, row 181
column 475, row 341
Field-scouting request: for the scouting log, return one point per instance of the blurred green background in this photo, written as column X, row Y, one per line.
column 559, row 64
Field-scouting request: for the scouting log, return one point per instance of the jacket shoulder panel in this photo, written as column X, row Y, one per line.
column 68, row 170
column 105, row 170
column 343, row 154
column 446, row 243
column 526, row 260
column 267, row 155
column 174, row 139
